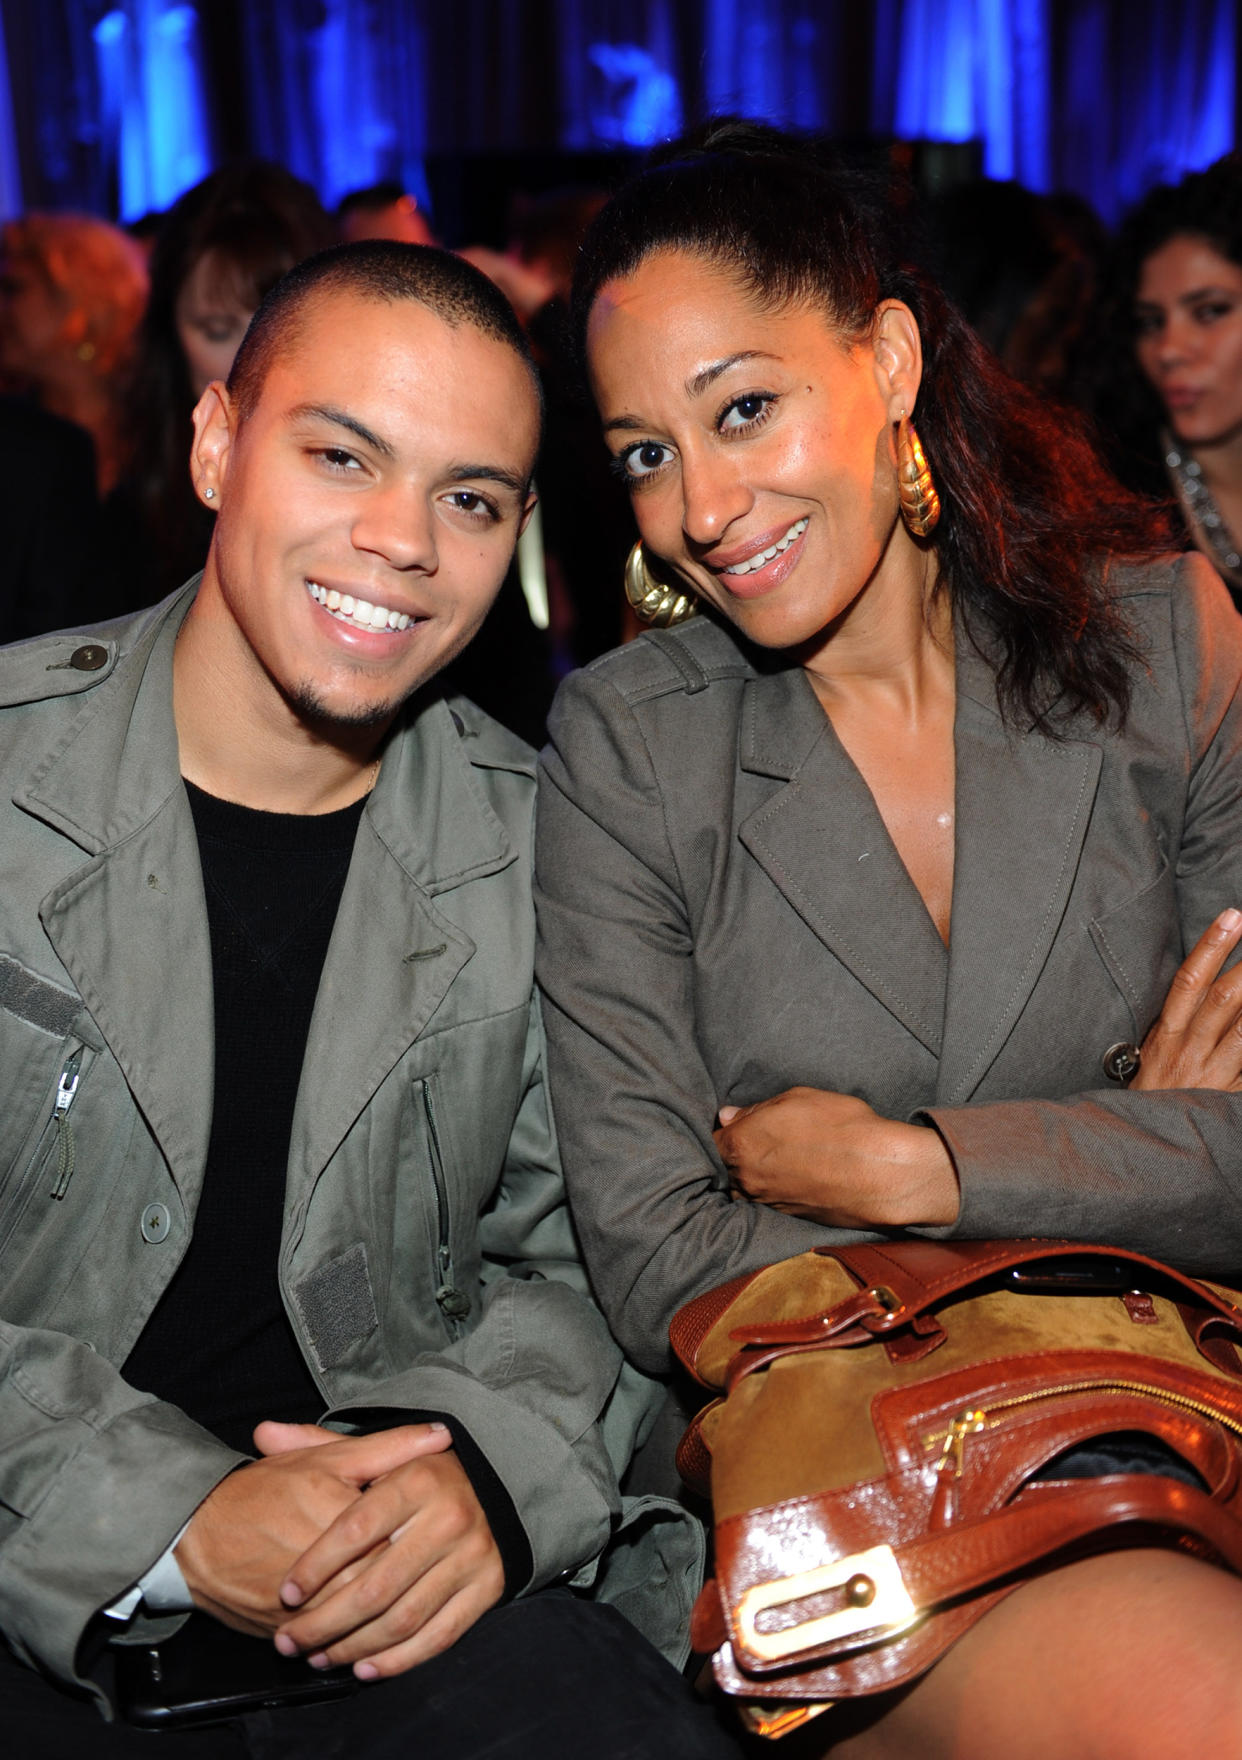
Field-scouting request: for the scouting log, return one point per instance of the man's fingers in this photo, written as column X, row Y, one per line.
column 439, row 1632
column 418, row 1623
column 366, row 1524
column 272, row 1437
column 383, row 1512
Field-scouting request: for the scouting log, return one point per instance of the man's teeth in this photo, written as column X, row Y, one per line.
column 753, row 562
column 360, row 612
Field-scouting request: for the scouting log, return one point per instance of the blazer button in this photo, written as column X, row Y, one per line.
column 1121, row 1061
column 156, row 1223
column 89, row 657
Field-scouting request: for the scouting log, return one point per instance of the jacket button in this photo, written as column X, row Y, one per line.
column 1121, row 1061
column 156, row 1223
column 89, row 657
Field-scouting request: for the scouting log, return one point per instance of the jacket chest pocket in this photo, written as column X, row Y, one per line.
column 1139, row 942
column 452, row 1301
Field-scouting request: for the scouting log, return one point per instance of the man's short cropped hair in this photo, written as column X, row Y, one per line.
column 376, row 269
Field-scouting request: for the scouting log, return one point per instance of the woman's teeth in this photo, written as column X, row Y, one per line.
column 755, row 562
column 360, row 612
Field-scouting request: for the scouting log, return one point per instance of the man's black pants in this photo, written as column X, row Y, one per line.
column 546, row 1678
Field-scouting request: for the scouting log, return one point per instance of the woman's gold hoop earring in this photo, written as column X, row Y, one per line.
column 655, row 599
column 920, row 504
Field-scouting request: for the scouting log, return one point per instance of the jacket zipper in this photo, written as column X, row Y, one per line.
column 974, row 1420
column 453, row 1303
column 66, row 1149
column 60, row 1129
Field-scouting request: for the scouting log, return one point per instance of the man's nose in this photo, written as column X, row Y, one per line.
column 396, row 523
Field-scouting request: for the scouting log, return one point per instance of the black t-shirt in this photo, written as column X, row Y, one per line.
column 219, row 1344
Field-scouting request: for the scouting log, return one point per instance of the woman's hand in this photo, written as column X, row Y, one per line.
column 830, row 1158
column 1197, row 1040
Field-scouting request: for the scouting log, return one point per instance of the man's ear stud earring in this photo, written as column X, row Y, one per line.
column 209, row 494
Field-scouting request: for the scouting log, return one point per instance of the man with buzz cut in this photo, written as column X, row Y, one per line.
column 301, row 1392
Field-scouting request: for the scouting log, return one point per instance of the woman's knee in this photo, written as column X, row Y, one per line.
column 1129, row 1656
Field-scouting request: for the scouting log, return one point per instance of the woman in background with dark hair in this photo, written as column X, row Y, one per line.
column 858, row 890
column 1174, row 403
column 219, row 250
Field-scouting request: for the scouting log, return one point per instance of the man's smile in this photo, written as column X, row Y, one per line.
column 361, row 613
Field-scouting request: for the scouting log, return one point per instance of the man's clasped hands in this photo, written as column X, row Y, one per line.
column 366, row 1550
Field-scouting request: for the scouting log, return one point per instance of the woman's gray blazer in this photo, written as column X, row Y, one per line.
column 723, row 915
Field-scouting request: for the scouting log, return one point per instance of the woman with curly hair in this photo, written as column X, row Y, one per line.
column 1174, row 403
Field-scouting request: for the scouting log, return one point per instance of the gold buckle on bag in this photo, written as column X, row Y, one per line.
column 877, row 1603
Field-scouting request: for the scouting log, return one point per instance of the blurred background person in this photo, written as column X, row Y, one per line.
column 72, row 290
column 218, row 251
column 71, row 294
column 384, row 210
column 1170, row 395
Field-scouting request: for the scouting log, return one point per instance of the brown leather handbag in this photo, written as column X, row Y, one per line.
column 884, row 1412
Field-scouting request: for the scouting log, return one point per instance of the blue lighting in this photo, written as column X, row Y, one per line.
column 640, row 104
column 152, row 104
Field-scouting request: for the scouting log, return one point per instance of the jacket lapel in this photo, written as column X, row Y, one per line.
column 821, row 841
column 1023, row 806
column 393, row 953
column 130, row 925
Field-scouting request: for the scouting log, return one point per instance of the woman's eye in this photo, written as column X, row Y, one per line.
column 1212, row 311
column 644, row 459
column 744, row 412
column 1147, row 323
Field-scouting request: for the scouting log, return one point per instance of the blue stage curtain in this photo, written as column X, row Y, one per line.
column 10, row 167
column 1099, row 96
column 1104, row 97
column 152, row 104
column 1165, row 107
column 335, row 88
column 960, row 70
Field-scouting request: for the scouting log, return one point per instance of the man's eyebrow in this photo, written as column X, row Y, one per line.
column 489, row 473
column 339, row 418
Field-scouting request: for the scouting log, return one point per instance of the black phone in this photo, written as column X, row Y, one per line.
column 1075, row 1274
column 207, row 1672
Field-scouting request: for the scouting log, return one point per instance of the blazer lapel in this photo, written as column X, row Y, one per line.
column 821, row 841
column 393, row 953
column 1023, row 806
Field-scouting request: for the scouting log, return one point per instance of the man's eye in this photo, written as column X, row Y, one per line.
column 472, row 502
column 642, row 460
column 337, row 459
